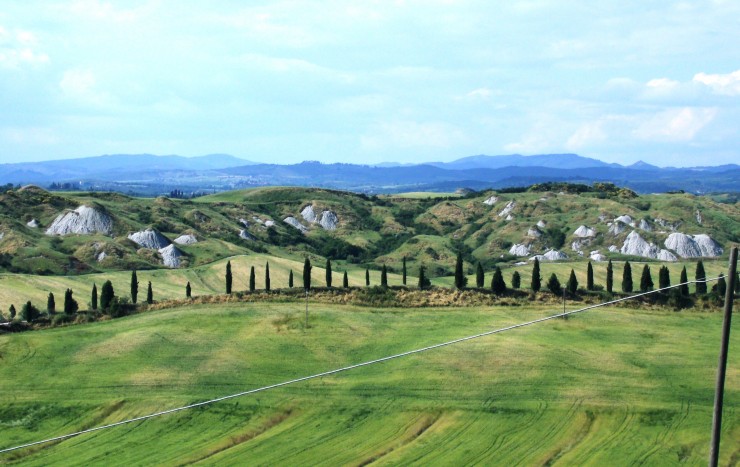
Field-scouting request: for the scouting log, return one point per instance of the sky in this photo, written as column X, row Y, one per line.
column 372, row 81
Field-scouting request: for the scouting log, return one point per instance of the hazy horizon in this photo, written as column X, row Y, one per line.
column 389, row 81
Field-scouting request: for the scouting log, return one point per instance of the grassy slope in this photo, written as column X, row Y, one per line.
column 170, row 283
column 613, row 387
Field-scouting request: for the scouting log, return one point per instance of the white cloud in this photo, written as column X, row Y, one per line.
column 410, row 134
column 727, row 84
column 80, row 87
column 586, row 135
column 17, row 47
column 675, row 125
column 480, row 93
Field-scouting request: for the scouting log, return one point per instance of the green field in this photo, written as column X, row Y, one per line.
column 609, row 387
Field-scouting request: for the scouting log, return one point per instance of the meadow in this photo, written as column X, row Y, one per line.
column 608, row 387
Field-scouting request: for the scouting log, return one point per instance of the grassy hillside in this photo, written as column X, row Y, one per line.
column 610, row 387
column 372, row 231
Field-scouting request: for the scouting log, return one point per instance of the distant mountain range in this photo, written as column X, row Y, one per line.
column 149, row 174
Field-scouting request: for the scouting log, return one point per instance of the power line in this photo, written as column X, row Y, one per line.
column 346, row 368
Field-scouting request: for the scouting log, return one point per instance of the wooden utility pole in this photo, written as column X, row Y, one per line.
column 722, row 365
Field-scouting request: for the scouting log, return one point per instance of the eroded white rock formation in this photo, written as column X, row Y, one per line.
column 541, row 224
column 246, row 235
column 584, row 232
column 534, row 232
column 697, row 246
column 635, row 245
column 33, row 223
column 329, row 220
column 491, row 200
column 186, row 239
column 171, row 256
column 644, row 225
column 552, row 255
column 84, row 220
column 519, row 249
column 507, row 209
column 150, row 239
column 616, row 228
column 293, row 222
column 597, row 256
column 309, row 215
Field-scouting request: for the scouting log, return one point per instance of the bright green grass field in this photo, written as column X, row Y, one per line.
column 607, row 387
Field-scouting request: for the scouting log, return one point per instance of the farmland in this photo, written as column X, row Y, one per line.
column 612, row 386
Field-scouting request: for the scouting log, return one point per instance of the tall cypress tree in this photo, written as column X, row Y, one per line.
column 553, row 284
column 106, row 295
column 664, row 278
column 589, row 277
column 516, row 280
column 384, row 276
column 228, row 277
column 94, row 297
column 404, row 270
column 70, row 304
column 367, row 276
column 345, row 280
column 498, row 286
column 572, row 285
column 480, row 276
column 423, row 281
column 701, row 286
column 51, row 306
column 134, row 287
column 684, row 288
column 721, row 285
column 328, row 272
column 290, row 279
column 307, row 274
column 646, row 279
column 149, row 293
column 536, row 283
column 627, row 277
column 12, row 311
column 609, row 277
column 252, row 279
column 459, row 274
column 267, row 276
column 188, row 291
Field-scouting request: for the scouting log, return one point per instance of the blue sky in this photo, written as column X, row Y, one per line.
column 371, row 81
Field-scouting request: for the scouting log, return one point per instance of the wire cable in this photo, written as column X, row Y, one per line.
column 346, row 368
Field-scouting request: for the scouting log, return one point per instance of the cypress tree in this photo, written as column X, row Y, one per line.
column 188, row 291
column 228, row 277
column 307, row 274
column 701, row 286
column 479, row 276
column 721, row 285
column 589, row 277
column 423, row 281
column 404, row 270
column 134, row 287
column 267, row 276
column 609, row 277
column 664, row 278
column 106, row 295
column 51, row 306
column 684, row 288
column 572, row 285
column 328, row 272
column 149, row 293
column 459, row 274
column 646, row 279
column 290, row 279
column 627, row 277
column 553, row 284
column 536, row 283
column 70, row 304
column 94, row 297
column 252, row 284
column 498, row 286
column 12, row 311
column 516, row 280
column 29, row 312
column 345, row 280
column 367, row 277
column 384, row 277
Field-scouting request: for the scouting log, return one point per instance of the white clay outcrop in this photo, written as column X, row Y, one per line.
column 33, row 224
column 293, row 222
column 170, row 256
column 697, row 246
column 507, row 209
column 84, row 220
column 186, row 239
column 584, row 232
column 491, row 200
column 519, row 249
column 150, row 239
